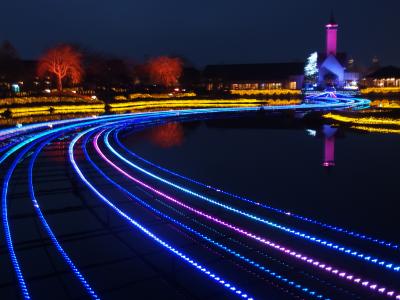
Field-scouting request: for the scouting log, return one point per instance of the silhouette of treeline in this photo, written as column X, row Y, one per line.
column 103, row 73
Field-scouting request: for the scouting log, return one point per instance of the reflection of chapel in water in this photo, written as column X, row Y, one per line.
column 329, row 145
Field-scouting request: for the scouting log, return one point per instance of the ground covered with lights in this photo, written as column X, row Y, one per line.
column 85, row 216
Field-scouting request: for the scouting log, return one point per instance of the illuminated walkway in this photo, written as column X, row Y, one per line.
column 85, row 216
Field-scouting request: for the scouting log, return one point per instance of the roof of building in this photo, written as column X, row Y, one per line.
column 386, row 72
column 254, row 72
column 340, row 56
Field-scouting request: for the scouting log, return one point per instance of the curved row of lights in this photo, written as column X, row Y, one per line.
column 279, row 211
column 324, row 242
column 208, row 239
column 286, row 251
column 23, row 140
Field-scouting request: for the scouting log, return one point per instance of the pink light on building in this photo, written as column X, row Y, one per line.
column 331, row 37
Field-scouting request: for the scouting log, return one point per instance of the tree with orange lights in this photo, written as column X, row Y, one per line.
column 165, row 71
column 62, row 62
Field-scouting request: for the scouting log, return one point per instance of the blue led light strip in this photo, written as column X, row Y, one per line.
column 250, row 249
column 264, row 269
column 29, row 143
column 47, row 228
column 8, row 146
column 228, row 286
column 361, row 236
column 317, row 103
column 7, row 231
column 323, row 242
column 322, row 105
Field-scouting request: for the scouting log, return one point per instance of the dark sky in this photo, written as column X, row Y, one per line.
column 206, row 31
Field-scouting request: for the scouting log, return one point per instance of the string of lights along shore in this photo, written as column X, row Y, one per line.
column 212, row 150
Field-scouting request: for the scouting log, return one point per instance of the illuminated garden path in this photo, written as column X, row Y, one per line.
column 190, row 238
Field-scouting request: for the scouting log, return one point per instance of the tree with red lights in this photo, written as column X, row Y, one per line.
column 62, row 62
column 165, row 71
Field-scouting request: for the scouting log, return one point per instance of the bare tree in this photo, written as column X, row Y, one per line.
column 165, row 70
column 62, row 62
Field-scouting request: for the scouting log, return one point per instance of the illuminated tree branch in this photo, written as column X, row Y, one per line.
column 165, row 71
column 62, row 62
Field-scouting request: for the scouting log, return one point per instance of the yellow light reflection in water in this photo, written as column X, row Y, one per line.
column 376, row 130
column 363, row 120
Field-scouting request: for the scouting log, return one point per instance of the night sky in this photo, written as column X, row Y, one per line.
column 207, row 31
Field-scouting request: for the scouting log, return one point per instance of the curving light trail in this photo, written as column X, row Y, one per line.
column 166, row 245
column 286, row 213
column 247, row 260
column 47, row 227
column 8, row 236
column 17, row 143
column 314, row 263
column 324, row 242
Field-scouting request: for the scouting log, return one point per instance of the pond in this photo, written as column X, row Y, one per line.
column 281, row 163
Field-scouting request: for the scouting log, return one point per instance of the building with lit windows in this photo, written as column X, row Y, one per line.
column 268, row 76
column 329, row 69
column 386, row 77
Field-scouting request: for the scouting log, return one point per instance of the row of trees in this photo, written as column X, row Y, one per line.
column 68, row 64
column 65, row 63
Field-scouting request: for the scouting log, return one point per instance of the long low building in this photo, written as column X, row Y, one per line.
column 385, row 77
column 267, row 76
